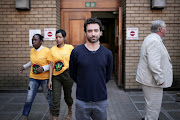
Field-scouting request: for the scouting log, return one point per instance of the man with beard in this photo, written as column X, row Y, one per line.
column 91, row 68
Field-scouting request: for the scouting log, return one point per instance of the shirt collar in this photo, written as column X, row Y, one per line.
column 39, row 48
column 159, row 37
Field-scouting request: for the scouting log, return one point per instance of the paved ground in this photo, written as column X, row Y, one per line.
column 122, row 105
column 170, row 109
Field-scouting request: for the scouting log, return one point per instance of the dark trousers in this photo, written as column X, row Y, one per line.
column 63, row 80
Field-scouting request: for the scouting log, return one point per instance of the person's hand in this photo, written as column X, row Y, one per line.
column 50, row 85
column 21, row 70
column 40, row 70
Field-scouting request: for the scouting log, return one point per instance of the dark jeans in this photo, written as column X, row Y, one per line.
column 32, row 90
column 57, row 82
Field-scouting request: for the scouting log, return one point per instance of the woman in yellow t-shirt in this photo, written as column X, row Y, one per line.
column 39, row 74
column 59, row 74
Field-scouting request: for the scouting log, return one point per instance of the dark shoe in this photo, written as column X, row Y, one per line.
column 23, row 117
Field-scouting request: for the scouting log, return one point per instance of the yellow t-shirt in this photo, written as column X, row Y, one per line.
column 60, row 58
column 39, row 59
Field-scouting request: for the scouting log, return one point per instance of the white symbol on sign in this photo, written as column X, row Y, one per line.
column 132, row 33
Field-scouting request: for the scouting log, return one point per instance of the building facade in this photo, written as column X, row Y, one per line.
column 116, row 15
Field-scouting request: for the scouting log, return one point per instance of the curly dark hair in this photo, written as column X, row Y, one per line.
column 40, row 36
column 92, row 21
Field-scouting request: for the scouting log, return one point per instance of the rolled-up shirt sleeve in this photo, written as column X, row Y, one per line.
column 46, row 67
column 27, row 65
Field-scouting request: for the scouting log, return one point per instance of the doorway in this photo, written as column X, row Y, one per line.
column 72, row 21
column 108, row 30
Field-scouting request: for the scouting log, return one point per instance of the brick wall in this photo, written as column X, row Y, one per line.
column 138, row 14
column 14, row 37
column 15, row 25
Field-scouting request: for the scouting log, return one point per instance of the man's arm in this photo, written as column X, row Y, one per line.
column 154, row 61
column 73, row 66
column 109, row 67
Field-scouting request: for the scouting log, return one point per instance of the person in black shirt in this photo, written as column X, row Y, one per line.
column 91, row 68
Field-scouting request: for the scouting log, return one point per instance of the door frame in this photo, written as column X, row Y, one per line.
column 118, row 47
column 118, row 42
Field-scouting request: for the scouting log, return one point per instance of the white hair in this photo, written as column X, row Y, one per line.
column 156, row 25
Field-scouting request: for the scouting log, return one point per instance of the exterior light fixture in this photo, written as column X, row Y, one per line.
column 158, row 4
column 22, row 4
